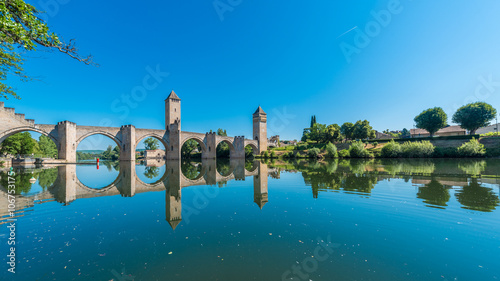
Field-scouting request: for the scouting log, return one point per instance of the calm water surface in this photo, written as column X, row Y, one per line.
column 234, row 220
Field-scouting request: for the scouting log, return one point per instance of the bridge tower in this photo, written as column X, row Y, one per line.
column 260, row 129
column 172, row 110
column 173, row 125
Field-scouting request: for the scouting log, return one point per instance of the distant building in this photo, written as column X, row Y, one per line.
column 382, row 136
column 444, row 132
column 159, row 154
column 488, row 129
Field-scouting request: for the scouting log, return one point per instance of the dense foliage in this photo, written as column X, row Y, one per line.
column 151, row 144
column 474, row 116
column 473, row 148
column 358, row 150
column 431, row 120
column 331, row 150
column 24, row 144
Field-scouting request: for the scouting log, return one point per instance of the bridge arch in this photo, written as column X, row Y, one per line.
column 104, row 133
column 255, row 149
column 163, row 141
column 13, row 131
column 198, row 140
column 229, row 143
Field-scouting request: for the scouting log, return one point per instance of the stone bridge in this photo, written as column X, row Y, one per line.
column 68, row 135
column 68, row 188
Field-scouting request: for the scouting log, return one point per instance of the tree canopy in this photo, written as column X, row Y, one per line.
column 474, row 116
column 347, row 129
column 151, row 144
column 21, row 30
column 431, row 120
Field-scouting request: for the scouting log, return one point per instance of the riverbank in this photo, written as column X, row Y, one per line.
column 484, row 147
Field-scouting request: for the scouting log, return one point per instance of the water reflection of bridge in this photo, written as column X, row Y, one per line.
column 68, row 188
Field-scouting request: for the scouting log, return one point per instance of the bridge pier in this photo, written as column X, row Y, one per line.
column 127, row 152
column 211, row 146
column 66, row 132
column 239, row 148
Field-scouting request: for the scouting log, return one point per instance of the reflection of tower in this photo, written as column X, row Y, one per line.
column 260, row 128
column 173, row 205
column 260, row 185
column 172, row 110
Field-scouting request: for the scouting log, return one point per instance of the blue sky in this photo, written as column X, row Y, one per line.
column 285, row 56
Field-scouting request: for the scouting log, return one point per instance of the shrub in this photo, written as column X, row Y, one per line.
column 313, row 152
column 344, row 153
column 473, row 148
column 374, row 144
column 273, row 154
column 391, row 150
column 331, row 150
column 490, row 134
column 417, row 149
column 358, row 150
column 265, row 154
column 302, row 146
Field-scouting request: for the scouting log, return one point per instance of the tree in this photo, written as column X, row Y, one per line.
column 47, row 147
column 222, row 149
column 474, row 116
column 362, row 130
column 21, row 28
column 431, row 120
column 151, row 144
column 111, row 153
column 347, row 130
column 405, row 133
column 313, row 121
column 332, row 133
column 188, row 148
column 20, row 143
